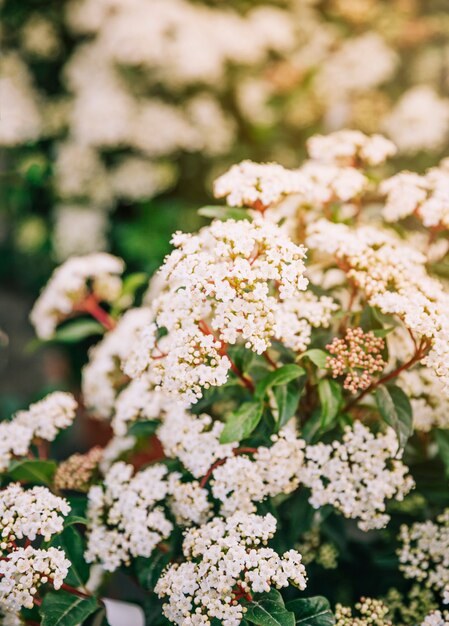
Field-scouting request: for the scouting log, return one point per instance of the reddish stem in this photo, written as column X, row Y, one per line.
column 42, row 449
column 269, row 360
column 90, row 305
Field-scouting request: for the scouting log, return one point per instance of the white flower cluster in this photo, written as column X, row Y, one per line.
column 193, row 440
column 429, row 402
column 10, row 618
column 424, row 554
column 350, row 148
column 70, row 284
column 297, row 317
column 102, row 377
column 329, row 183
column 224, row 286
column 393, row 277
column 141, row 401
column 42, row 420
column 242, row 481
column 226, row 560
column 425, row 196
column 21, row 119
column 419, row 121
column 25, row 569
column 258, row 185
column 436, row 618
column 29, row 513
column 125, row 516
column 188, row 501
column 357, row 475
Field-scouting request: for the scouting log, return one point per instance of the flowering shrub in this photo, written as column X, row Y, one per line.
column 291, row 361
column 111, row 104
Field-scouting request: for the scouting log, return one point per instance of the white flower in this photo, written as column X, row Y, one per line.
column 42, row 420
column 424, row 554
column 102, row 377
column 31, row 512
column 223, row 286
column 394, row 279
column 25, row 570
column 226, row 559
column 419, row 121
column 258, row 185
column 70, row 284
column 357, row 475
column 350, row 147
column 125, row 516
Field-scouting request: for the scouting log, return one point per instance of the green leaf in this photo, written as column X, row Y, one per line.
column 318, row 357
column 241, row 423
column 77, row 330
column 287, row 399
column 71, row 542
column 32, row 471
column 395, row 408
column 442, row 440
column 224, row 213
column 133, row 282
column 314, row 611
column 144, row 429
column 72, row 520
column 331, row 400
column 63, row 609
column 150, row 570
column 281, row 376
column 268, row 609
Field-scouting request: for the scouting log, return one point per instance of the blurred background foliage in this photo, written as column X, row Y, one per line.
column 116, row 115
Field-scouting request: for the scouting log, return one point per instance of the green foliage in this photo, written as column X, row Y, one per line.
column 71, row 541
column 396, row 410
column 314, row 611
column 268, row 609
column 241, row 423
column 33, row 471
column 64, row 609
column 331, row 400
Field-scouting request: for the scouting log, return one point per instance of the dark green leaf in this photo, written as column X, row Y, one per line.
column 32, row 471
column 318, row 357
column 268, row 609
column 63, row 609
column 143, row 429
column 442, row 439
column 396, row 410
column 72, row 520
column 77, row 330
column 149, row 570
column 331, row 400
column 281, row 376
column 241, row 423
column 224, row 213
column 72, row 543
column 314, row 611
column 287, row 400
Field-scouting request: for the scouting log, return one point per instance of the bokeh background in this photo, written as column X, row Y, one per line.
column 116, row 115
